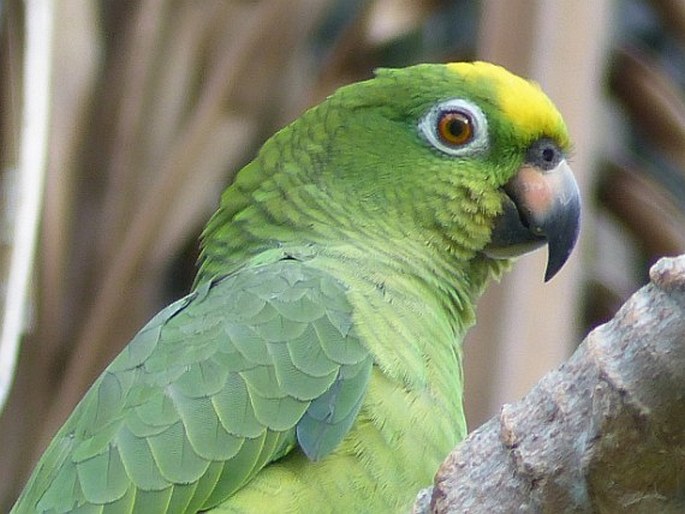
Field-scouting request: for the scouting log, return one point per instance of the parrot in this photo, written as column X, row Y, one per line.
column 316, row 364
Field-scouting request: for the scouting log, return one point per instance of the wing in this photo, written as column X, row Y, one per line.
column 211, row 390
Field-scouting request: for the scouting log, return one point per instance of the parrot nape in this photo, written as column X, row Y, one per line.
column 316, row 364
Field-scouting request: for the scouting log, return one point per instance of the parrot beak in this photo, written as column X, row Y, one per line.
column 540, row 206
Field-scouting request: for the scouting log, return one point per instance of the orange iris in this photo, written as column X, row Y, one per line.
column 455, row 128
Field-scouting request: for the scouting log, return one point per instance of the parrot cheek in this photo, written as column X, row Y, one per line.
column 539, row 207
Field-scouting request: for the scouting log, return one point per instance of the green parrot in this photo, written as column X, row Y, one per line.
column 316, row 366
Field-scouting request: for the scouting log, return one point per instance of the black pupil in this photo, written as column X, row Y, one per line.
column 548, row 154
column 457, row 125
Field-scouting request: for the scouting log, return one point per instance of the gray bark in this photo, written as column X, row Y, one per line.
column 605, row 432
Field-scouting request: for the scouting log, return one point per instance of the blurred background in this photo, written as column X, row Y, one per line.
column 122, row 121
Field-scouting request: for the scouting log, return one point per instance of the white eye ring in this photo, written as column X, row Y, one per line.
column 477, row 143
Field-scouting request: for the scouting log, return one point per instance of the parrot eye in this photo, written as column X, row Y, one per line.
column 456, row 127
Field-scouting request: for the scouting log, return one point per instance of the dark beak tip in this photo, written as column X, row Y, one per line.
column 560, row 247
column 553, row 267
column 555, row 262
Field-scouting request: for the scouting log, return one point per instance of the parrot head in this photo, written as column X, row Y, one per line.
column 475, row 155
column 466, row 158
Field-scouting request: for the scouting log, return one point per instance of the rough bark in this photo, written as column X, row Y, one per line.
column 605, row 432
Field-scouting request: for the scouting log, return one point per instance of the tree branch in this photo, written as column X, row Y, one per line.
column 605, row 432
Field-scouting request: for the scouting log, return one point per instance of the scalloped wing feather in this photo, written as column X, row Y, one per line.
column 212, row 389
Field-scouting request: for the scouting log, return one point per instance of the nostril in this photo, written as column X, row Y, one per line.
column 544, row 154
